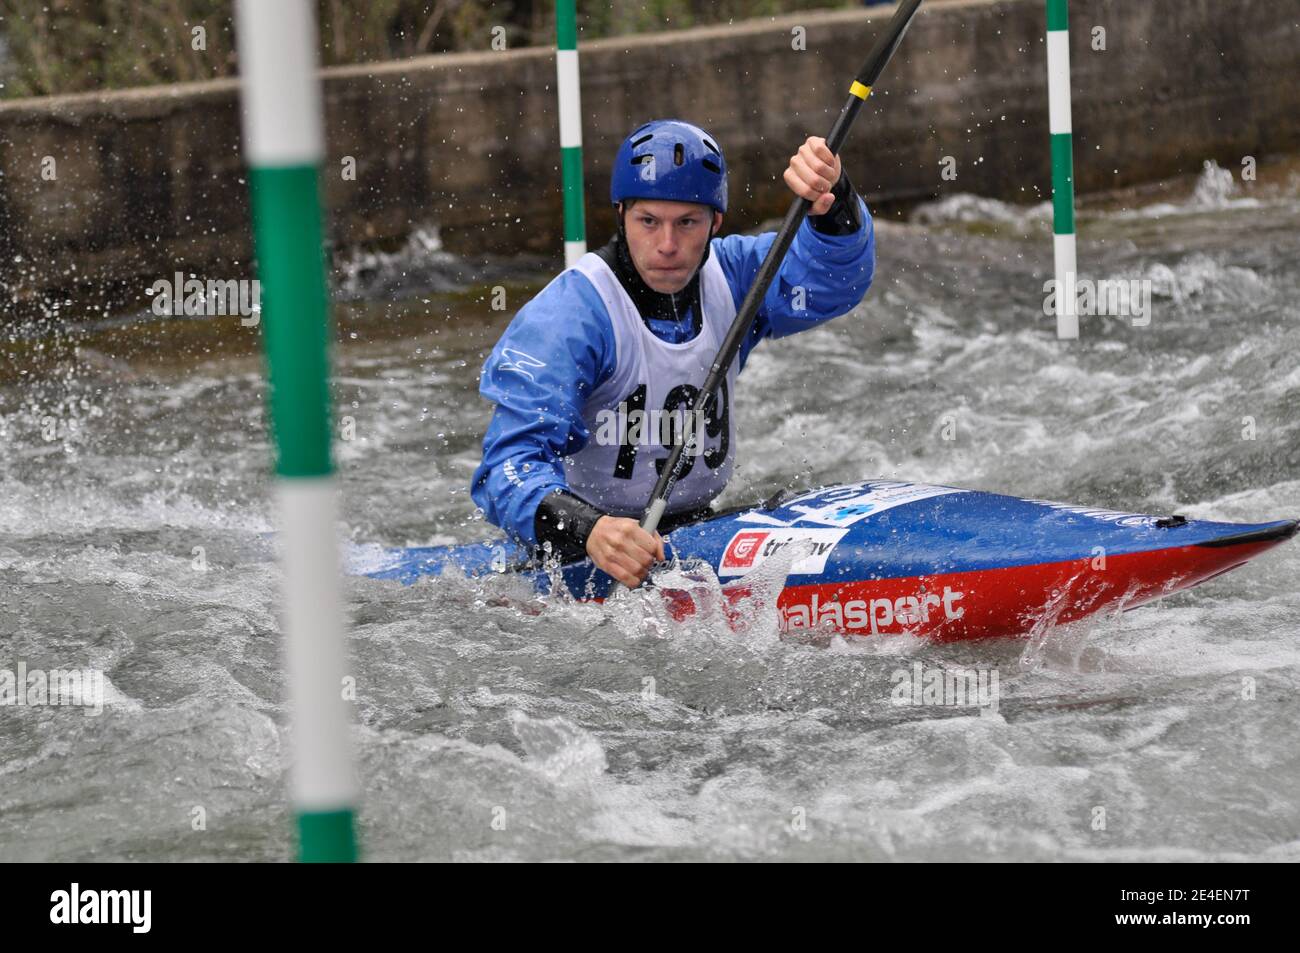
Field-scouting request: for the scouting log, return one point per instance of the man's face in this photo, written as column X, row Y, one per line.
column 667, row 239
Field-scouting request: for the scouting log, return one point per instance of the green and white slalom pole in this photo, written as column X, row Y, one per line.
column 1061, row 128
column 567, row 88
column 284, row 147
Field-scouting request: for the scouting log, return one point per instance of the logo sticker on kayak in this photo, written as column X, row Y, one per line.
column 846, row 505
column 1117, row 517
column 749, row 548
column 873, row 616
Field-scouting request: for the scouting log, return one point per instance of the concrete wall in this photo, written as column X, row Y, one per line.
column 151, row 180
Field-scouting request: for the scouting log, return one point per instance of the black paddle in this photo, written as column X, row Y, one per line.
column 740, row 327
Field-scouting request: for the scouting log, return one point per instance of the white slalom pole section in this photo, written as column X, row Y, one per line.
column 1065, row 261
column 280, row 90
column 323, row 780
column 1062, row 132
column 284, row 146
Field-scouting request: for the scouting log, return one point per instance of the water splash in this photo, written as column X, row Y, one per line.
column 559, row 750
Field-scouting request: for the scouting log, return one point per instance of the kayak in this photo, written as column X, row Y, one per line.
column 885, row 557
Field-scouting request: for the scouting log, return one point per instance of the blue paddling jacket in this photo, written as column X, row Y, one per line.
column 560, row 348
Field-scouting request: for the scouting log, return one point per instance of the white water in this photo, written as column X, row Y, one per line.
column 495, row 725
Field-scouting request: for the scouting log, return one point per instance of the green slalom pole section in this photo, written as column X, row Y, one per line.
column 287, row 232
column 1062, row 132
column 284, row 146
column 568, row 90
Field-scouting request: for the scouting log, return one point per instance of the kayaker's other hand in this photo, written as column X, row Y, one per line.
column 812, row 173
column 620, row 547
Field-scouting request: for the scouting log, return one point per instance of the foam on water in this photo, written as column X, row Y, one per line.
column 495, row 724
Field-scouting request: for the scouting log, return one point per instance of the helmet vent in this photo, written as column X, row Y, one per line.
column 711, row 165
column 711, row 147
column 679, row 154
column 646, row 138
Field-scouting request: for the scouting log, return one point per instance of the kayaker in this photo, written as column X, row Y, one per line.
column 593, row 375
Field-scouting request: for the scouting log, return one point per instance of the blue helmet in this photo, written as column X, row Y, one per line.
column 671, row 160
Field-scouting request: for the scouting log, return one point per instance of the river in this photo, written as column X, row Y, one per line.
column 135, row 522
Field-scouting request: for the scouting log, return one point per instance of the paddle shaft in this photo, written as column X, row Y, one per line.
column 744, row 321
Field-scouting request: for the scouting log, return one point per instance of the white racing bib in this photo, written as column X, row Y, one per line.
column 633, row 416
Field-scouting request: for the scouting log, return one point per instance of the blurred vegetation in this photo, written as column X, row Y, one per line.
column 66, row 46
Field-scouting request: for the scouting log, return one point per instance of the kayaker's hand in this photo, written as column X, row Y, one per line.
column 812, row 173
column 620, row 547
